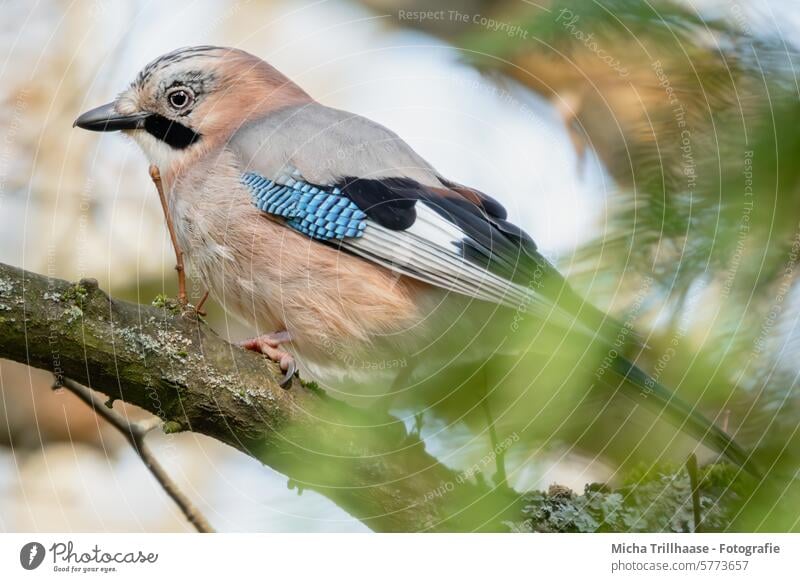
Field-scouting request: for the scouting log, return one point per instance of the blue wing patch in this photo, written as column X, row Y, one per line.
column 315, row 212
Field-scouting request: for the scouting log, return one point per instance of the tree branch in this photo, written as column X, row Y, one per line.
column 135, row 434
column 174, row 366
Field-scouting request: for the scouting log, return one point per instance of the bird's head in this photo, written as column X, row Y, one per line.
column 192, row 99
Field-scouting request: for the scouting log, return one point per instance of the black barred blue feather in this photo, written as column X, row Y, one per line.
column 316, row 212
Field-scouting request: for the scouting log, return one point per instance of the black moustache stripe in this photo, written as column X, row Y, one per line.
column 170, row 132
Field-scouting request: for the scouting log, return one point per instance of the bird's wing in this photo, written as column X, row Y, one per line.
column 345, row 180
column 404, row 234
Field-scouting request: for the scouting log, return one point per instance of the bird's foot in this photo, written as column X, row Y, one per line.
column 188, row 310
column 270, row 345
column 199, row 307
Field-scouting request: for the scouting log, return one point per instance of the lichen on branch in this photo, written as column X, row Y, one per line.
column 174, row 366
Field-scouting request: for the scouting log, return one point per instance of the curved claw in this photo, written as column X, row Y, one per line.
column 286, row 381
column 270, row 345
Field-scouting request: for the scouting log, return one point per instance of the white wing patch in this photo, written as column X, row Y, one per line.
column 430, row 251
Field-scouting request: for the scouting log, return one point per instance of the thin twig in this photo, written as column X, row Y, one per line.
column 135, row 435
column 155, row 175
column 500, row 459
column 691, row 467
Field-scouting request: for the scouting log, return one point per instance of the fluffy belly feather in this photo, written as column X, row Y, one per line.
column 273, row 278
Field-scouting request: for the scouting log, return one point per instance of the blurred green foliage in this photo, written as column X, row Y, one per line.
column 694, row 115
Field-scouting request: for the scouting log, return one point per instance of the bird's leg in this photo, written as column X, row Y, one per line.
column 270, row 345
column 155, row 175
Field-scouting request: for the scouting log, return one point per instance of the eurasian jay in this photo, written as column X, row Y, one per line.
column 328, row 231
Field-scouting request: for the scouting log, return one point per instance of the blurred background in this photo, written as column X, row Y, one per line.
column 650, row 148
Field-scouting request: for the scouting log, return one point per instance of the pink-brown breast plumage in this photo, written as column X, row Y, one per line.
column 274, row 278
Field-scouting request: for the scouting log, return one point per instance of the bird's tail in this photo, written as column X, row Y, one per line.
column 641, row 387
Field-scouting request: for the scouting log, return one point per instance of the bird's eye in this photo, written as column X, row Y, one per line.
column 179, row 99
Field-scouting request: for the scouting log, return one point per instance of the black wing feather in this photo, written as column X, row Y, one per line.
column 388, row 201
column 489, row 241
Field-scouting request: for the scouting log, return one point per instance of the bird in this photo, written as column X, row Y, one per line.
column 354, row 258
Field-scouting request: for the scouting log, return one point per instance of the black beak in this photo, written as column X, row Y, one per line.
column 105, row 118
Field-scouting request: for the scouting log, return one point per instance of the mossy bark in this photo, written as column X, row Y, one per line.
column 174, row 366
